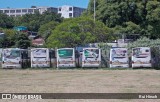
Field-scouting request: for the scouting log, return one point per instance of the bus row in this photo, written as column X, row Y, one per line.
column 70, row 57
column 140, row 57
column 44, row 57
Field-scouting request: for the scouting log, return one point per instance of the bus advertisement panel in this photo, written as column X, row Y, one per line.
column 119, row 57
column 40, row 57
column 11, row 58
column 141, row 57
column 66, row 57
column 91, row 57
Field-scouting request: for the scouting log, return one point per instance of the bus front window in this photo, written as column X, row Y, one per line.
column 119, row 53
column 12, row 54
column 66, row 53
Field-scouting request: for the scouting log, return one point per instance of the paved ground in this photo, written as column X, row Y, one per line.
column 80, row 81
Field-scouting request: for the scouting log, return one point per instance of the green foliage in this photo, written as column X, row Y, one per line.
column 34, row 21
column 8, row 39
column 129, row 16
column 129, row 28
column 10, row 33
column 46, row 29
column 79, row 31
column 13, row 38
column 153, row 18
column 6, row 21
column 47, row 21
column 144, row 42
column 22, row 41
column 5, row 42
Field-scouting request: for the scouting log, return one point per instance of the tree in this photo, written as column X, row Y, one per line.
column 46, row 29
column 78, row 31
column 14, row 38
column 6, row 21
column 8, row 40
column 5, row 42
column 34, row 21
column 22, row 40
column 128, row 28
column 116, row 12
column 144, row 14
column 153, row 19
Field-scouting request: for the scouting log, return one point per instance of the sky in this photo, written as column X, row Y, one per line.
column 50, row 3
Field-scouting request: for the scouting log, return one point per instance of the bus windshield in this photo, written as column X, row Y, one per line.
column 66, row 53
column 12, row 54
column 141, row 53
column 39, row 53
column 91, row 53
column 119, row 53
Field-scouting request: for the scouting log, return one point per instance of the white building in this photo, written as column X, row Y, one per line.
column 70, row 11
column 22, row 11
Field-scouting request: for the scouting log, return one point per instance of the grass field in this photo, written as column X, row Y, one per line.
column 80, row 81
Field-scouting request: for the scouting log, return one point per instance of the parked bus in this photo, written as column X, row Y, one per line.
column 141, row 57
column 91, row 57
column 40, row 57
column 66, row 57
column 15, row 58
column 119, row 57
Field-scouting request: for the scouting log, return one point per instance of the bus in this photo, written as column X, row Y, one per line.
column 66, row 57
column 141, row 57
column 15, row 58
column 91, row 57
column 40, row 57
column 118, row 58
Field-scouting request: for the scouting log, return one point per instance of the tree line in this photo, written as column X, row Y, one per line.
column 113, row 19
column 41, row 23
column 129, row 16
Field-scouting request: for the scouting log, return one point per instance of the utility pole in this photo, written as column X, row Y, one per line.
column 94, row 10
column 94, row 16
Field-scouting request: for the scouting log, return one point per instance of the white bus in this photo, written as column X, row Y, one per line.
column 141, row 57
column 15, row 58
column 91, row 57
column 66, row 57
column 119, row 58
column 40, row 57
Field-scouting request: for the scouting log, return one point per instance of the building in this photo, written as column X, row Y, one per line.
column 70, row 11
column 22, row 11
column 38, row 41
column 65, row 11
